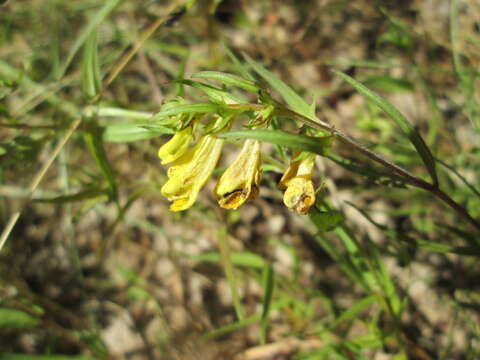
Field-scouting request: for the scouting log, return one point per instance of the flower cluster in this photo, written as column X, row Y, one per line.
column 192, row 166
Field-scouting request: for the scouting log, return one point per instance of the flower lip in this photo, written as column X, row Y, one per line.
column 240, row 182
column 297, row 182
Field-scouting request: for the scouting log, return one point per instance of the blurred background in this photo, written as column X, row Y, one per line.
column 97, row 267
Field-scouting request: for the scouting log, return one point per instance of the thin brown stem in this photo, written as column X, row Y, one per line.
column 404, row 174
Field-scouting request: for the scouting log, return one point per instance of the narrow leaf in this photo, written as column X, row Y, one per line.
column 133, row 131
column 390, row 84
column 116, row 112
column 91, row 80
column 215, row 94
column 267, row 284
column 228, row 79
column 316, row 145
column 91, row 26
column 80, row 196
column 93, row 138
column 402, row 122
column 239, row 65
column 245, row 258
column 294, row 101
column 352, row 312
column 198, row 108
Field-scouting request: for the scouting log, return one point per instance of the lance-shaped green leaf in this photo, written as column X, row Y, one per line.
column 133, row 131
column 316, row 145
column 294, row 101
column 407, row 128
column 98, row 111
column 215, row 94
column 199, row 108
column 227, row 79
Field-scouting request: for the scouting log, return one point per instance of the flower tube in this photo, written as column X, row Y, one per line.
column 176, row 146
column 190, row 172
column 240, row 182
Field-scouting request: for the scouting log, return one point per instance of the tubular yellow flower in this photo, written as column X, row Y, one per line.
column 239, row 183
column 176, row 146
column 191, row 171
column 297, row 182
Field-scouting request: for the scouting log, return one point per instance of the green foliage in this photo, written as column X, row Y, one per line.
column 268, row 286
column 317, row 145
column 84, row 36
column 91, row 78
column 294, row 101
column 401, row 121
column 246, row 259
column 343, row 283
column 16, row 319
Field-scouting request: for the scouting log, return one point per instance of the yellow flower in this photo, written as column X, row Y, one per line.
column 176, row 146
column 191, row 171
column 239, row 183
column 297, row 182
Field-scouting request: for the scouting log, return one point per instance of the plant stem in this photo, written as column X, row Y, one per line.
column 404, row 174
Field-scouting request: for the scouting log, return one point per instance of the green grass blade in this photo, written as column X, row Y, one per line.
column 239, row 65
column 93, row 138
column 316, row 145
column 402, row 122
column 267, row 285
column 249, row 320
column 294, row 101
column 83, row 36
column 356, row 256
column 80, row 196
column 347, row 266
column 241, row 258
column 352, row 312
column 421, row 243
column 231, row 327
column 91, row 79
column 465, row 75
column 226, row 259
